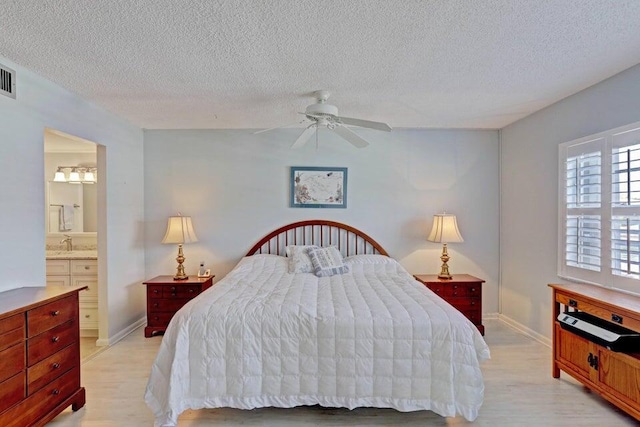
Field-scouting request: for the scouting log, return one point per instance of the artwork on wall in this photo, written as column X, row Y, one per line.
column 318, row 187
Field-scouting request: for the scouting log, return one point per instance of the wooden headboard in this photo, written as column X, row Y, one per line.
column 349, row 240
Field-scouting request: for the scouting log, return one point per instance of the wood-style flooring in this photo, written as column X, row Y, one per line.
column 519, row 391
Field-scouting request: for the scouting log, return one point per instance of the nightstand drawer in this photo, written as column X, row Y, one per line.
column 159, row 319
column 185, row 291
column 439, row 289
column 154, row 291
column 461, row 290
column 464, row 303
column 172, row 305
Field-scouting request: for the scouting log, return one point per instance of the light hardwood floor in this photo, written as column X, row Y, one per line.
column 519, row 391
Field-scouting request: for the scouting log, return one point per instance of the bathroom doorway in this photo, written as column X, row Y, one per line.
column 73, row 200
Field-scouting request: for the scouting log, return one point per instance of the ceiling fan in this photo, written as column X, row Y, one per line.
column 321, row 114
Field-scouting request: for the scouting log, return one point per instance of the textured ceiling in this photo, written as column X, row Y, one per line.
column 164, row 64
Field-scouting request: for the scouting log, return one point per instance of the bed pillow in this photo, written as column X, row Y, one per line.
column 327, row 261
column 367, row 259
column 299, row 261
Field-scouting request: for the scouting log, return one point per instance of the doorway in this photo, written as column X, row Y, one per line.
column 73, row 201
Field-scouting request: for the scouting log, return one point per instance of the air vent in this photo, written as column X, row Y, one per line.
column 7, row 82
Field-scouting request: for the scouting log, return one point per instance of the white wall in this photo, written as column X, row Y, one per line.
column 41, row 104
column 529, row 194
column 235, row 185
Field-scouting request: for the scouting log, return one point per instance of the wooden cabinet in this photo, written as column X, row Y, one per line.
column 613, row 375
column 39, row 355
column 462, row 291
column 166, row 296
column 78, row 272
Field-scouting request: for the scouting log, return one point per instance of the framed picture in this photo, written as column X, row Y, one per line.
column 318, row 187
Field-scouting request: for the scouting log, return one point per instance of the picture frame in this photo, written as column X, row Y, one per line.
column 318, row 187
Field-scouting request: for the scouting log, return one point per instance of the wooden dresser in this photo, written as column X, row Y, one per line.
column 613, row 375
column 166, row 296
column 39, row 354
column 462, row 291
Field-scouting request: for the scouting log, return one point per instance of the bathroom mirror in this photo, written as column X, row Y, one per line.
column 71, row 208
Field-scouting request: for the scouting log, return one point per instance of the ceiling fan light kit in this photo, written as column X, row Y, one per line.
column 326, row 115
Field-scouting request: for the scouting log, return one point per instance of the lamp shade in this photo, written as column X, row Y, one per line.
column 74, row 177
column 59, row 176
column 445, row 229
column 89, row 178
column 180, row 230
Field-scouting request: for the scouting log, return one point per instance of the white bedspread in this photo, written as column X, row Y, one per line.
column 372, row 337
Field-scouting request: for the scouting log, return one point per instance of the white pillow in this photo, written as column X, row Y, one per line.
column 368, row 259
column 327, row 261
column 299, row 261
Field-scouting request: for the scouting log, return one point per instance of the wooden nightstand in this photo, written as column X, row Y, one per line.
column 166, row 296
column 462, row 291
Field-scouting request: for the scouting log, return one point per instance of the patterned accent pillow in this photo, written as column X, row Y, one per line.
column 299, row 261
column 327, row 261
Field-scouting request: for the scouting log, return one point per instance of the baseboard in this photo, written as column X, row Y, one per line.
column 525, row 330
column 89, row 333
column 123, row 333
column 489, row 316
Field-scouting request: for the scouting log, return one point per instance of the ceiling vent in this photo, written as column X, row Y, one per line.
column 7, row 82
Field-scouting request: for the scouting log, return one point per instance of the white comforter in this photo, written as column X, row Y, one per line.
column 371, row 337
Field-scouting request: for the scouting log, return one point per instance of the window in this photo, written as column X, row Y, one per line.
column 599, row 239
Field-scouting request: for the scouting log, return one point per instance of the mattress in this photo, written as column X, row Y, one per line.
column 372, row 337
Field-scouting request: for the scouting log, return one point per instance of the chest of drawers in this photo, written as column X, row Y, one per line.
column 166, row 296
column 462, row 291
column 39, row 354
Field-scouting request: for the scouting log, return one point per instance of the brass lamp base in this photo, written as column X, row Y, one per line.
column 444, row 270
column 180, row 270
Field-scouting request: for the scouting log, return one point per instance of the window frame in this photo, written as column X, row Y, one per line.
column 604, row 143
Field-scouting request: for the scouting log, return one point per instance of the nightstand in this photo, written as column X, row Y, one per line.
column 166, row 296
column 462, row 291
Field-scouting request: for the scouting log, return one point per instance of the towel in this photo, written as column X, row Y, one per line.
column 66, row 218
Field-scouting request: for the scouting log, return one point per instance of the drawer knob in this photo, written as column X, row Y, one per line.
column 55, row 313
column 191, row 291
column 173, row 288
column 156, row 305
column 155, row 291
column 55, row 392
column 156, row 318
column 55, row 339
column 56, row 365
column 473, row 303
column 86, row 267
column 87, row 316
column 473, row 289
column 174, row 294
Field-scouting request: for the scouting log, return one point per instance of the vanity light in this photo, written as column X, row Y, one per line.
column 89, row 178
column 74, row 177
column 59, row 176
column 88, row 174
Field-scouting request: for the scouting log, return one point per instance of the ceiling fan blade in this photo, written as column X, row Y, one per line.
column 304, row 136
column 350, row 136
column 364, row 123
column 278, row 127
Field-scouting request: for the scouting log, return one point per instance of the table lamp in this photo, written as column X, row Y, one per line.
column 180, row 230
column 445, row 230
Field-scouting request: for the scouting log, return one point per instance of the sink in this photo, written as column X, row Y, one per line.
column 81, row 254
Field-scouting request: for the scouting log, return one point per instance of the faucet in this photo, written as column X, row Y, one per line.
column 68, row 241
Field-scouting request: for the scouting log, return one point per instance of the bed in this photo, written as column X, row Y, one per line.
column 369, row 337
